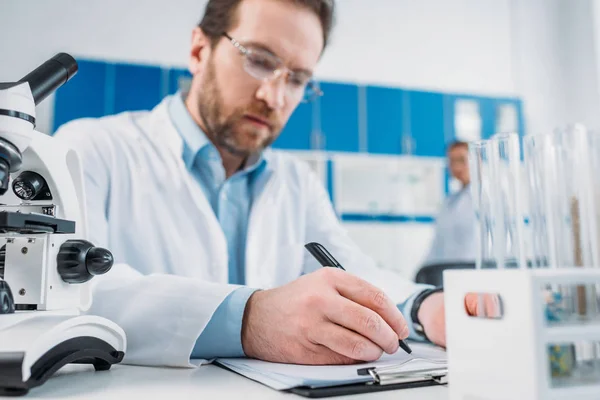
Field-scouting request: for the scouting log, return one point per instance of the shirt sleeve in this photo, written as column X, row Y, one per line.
column 222, row 337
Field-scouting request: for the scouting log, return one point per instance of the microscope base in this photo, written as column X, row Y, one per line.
column 37, row 345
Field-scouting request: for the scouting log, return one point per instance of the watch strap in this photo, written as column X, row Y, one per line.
column 414, row 312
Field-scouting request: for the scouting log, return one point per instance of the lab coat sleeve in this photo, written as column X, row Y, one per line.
column 162, row 315
column 323, row 226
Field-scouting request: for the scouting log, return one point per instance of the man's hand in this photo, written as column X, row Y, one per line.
column 432, row 314
column 326, row 317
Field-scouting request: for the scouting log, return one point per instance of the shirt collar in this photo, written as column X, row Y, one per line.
column 194, row 138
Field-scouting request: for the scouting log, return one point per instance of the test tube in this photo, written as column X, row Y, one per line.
column 578, row 227
column 594, row 143
column 480, row 166
column 594, row 196
column 576, row 197
column 563, row 193
column 508, row 207
column 538, row 158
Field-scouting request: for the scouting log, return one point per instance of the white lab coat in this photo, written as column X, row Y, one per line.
column 171, row 267
column 455, row 237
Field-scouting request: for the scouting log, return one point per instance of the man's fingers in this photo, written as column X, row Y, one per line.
column 472, row 304
column 326, row 356
column 367, row 295
column 483, row 305
column 363, row 321
column 345, row 342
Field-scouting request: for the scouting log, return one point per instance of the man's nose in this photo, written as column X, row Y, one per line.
column 272, row 92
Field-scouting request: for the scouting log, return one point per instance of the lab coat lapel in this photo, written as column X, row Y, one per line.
column 261, row 235
column 214, row 242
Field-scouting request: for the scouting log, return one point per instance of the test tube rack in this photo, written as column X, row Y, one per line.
column 507, row 358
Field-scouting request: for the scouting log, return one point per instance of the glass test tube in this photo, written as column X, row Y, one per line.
column 480, row 165
column 508, row 207
column 541, row 166
column 594, row 146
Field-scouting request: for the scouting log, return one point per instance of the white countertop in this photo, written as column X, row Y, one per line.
column 207, row 382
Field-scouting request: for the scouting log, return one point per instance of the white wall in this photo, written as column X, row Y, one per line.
column 580, row 63
column 458, row 45
column 555, row 48
column 536, row 57
column 448, row 45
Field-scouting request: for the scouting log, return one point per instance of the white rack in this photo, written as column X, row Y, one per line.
column 507, row 358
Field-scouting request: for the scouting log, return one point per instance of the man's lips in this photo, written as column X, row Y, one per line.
column 258, row 120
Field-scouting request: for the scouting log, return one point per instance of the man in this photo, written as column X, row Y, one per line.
column 208, row 226
column 455, row 237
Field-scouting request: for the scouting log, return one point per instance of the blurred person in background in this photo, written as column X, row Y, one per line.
column 455, row 237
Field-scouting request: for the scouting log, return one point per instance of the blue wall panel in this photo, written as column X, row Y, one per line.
column 102, row 88
column 522, row 127
column 83, row 96
column 427, row 123
column 339, row 116
column 384, row 120
column 137, row 87
column 297, row 133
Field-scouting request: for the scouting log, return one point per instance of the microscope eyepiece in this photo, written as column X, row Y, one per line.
column 51, row 75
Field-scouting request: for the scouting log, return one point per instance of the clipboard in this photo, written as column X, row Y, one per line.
column 357, row 380
column 384, row 378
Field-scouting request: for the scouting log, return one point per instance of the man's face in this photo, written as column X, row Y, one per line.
column 458, row 161
column 241, row 113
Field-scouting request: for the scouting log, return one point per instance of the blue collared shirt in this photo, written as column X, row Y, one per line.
column 231, row 200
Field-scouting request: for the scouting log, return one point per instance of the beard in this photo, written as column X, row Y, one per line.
column 233, row 132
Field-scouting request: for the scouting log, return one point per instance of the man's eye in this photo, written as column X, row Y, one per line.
column 262, row 62
column 298, row 80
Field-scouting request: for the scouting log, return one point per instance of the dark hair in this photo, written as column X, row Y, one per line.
column 457, row 143
column 220, row 16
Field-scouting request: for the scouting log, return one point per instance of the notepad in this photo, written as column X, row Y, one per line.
column 287, row 376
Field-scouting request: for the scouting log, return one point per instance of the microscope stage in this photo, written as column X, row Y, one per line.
column 12, row 221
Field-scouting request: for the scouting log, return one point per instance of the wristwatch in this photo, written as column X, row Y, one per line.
column 414, row 311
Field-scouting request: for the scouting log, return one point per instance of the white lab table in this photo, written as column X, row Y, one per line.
column 75, row 382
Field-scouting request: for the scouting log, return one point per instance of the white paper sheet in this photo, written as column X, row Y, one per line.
column 286, row 376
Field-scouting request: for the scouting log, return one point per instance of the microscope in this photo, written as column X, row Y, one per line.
column 46, row 263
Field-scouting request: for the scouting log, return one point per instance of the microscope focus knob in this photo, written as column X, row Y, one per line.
column 78, row 261
column 98, row 261
column 28, row 185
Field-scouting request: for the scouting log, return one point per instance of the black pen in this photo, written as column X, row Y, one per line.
column 325, row 258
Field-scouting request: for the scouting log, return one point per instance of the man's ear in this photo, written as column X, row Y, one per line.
column 199, row 50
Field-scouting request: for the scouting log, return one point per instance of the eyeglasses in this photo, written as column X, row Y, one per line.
column 264, row 65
